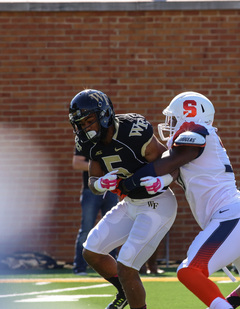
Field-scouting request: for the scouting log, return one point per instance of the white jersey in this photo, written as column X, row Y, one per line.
column 208, row 181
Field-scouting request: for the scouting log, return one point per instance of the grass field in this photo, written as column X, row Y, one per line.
column 60, row 289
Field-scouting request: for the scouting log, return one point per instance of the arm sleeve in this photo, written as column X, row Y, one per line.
column 134, row 181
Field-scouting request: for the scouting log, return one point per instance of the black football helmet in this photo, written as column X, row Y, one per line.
column 87, row 102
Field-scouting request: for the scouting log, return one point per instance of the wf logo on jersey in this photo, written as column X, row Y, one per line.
column 138, row 127
column 152, row 204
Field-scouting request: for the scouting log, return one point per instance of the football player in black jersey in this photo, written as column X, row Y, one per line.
column 118, row 146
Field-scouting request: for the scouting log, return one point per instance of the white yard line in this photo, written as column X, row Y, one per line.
column 60, row 298
column 58, row 290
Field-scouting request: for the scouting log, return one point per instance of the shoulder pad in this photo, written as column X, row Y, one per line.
column 193, row 127
column 189, row 138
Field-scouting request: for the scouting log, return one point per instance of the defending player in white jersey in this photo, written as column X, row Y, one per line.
column 207, row 177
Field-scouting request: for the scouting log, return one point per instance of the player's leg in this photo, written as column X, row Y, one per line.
column 210, row 251
column 133, row 287
column 111, row 232
column 153, row 220
column 234, row 297
column 110, row 199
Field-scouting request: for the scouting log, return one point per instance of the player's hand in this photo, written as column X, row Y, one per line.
column 152, row 184
column 107, row 182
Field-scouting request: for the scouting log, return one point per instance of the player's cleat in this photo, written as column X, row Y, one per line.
column 80, row 271
column 118, row 303
column 234, row 301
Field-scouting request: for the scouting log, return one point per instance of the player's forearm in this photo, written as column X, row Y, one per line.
column 81, row 166
column 91, row 181
column 168, row 164
column 159, row 167
column 79, row 163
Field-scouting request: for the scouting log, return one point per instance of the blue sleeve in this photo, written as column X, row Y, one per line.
column 134, row 181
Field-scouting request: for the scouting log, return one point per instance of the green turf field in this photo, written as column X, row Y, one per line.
column 60, row 289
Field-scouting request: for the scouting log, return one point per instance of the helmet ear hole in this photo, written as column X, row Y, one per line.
column 203, row 110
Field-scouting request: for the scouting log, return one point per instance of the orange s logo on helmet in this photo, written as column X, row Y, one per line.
column 190, row 109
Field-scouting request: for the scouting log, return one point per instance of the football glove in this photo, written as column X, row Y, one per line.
column 107, row 182
column 156, row 184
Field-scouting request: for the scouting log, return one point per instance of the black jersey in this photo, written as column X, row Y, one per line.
column 126, row 151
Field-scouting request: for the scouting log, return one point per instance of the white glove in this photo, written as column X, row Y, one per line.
column 156, row 184
column 106, row 183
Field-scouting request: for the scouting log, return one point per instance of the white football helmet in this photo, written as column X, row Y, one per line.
column 187, row 106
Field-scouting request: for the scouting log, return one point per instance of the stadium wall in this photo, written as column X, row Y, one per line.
column 141, row 54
